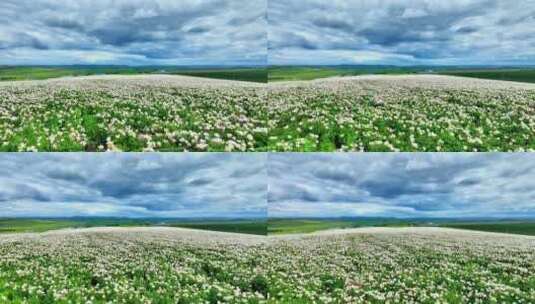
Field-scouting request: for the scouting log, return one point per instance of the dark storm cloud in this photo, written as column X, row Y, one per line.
column 135, row 185
column 401, row 32
column 402, row 185
column 204, row 32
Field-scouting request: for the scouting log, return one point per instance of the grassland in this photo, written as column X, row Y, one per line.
column 290, row 226
column 300, row 73
column 289, row 73
column 515, row 227
column 173, row 265
column 45, row 72
column 251, row 74
column 20, row 225
column 520, row 75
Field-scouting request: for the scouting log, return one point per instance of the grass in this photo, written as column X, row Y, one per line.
column 311, row 73
column 32, row 225
column 42, row 225
column 253, row 75
column 249, row 227
column 525, row 228
column 520, row 75
column 291, row 226
column 12, row 73
column 293, row 73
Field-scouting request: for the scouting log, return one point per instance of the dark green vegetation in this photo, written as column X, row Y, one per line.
column 254, row 75
column 41, row 225
column 526, row 228
column 45, row 72
column 291, row 73
column 288, row 226
column 249, row 227
column 520, row 75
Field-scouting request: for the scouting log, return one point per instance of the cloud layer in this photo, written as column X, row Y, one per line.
column 404, row 32
column 135, row 32
column 132, row 185
column 401, row 185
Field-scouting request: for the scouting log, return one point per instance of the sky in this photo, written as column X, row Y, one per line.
column 174, row 185
column 401, row 32
column 402, row 185
column 133, row 32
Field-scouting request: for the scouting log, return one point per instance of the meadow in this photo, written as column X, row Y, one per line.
column 403, row 265
column 520, row 75
column 21, row 225
column 408, row 113
column 11, row 73
column 302, row 225
column 512, row 227
column 133, row 113
column 297, row 73
column 131, row 265
column 289, row 226
column 171, row 113
column 174, row 265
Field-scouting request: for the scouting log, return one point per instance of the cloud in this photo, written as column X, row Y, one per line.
column 463, row 32
column 199, row 32
column 401, row 185
column 133, row 185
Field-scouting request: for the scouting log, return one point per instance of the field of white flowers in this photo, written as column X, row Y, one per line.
column 132, row 113
column 132, row 265
column 178, row 113
column 167, row 265
column 403, row 265
column 401, row 113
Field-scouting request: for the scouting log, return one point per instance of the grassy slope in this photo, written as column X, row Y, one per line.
column 253, row 75
column 310, row 73
column 30, row 225
column 39, row 73
column 289, row 226
column 249, row 227
column 526, row 228
column 41, row 225
column 520, row 75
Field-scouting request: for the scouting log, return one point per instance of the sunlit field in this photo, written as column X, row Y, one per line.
column 173, row 265
column 133, row 113
column 401, row 113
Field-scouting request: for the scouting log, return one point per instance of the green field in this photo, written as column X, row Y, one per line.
column 42, row 225
column 39, row 73
column 525, row 228
column 293, row 73
column 249, row 227
column 311, row 73
column 520, row 75
column 253, row 75
column 289, row 226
